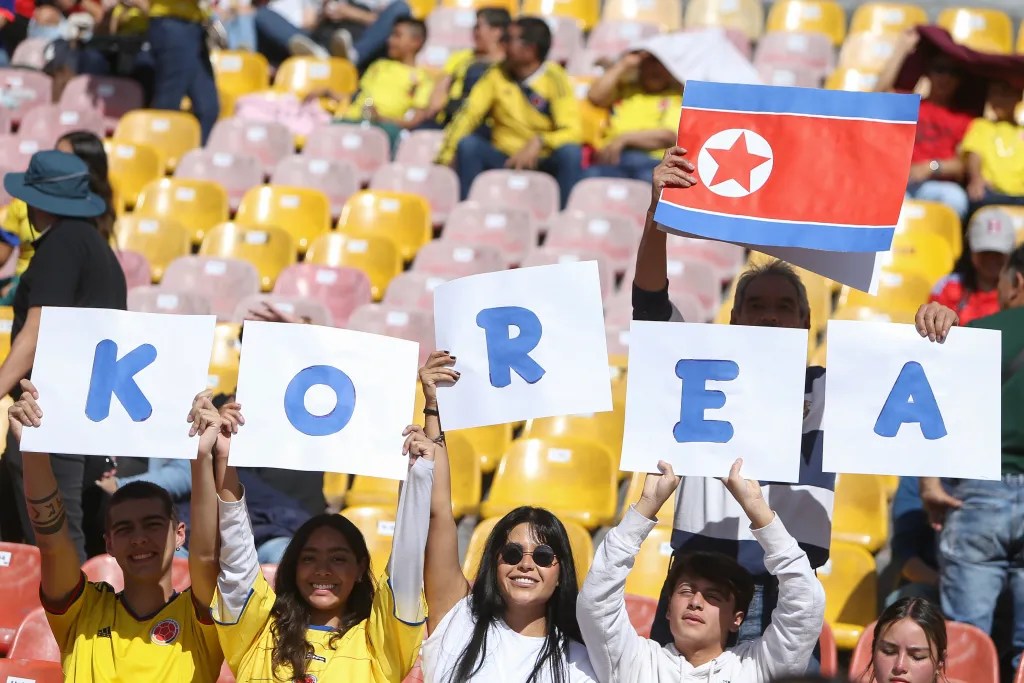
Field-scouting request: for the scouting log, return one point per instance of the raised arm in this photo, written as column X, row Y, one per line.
column 60, row 572
column 906, row 44
column 604, row 90
column 203, row 562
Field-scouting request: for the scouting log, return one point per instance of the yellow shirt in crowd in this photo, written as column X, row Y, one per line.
column 635, row 110
column 1000, row 144
column 550, row 111
column 189, row 10
column 100, row 640
column 456, row 67
column 395, row 88
column 16, row 223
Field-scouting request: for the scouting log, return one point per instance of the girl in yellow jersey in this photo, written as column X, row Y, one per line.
column 325, row 619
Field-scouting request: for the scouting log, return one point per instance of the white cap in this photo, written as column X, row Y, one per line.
column 991, row 229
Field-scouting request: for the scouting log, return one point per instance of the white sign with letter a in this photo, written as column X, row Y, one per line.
column 118, row 383
column 899, row 404
column 700, row 396
column 529, row 343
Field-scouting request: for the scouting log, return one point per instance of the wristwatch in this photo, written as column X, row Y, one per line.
column 935, row 166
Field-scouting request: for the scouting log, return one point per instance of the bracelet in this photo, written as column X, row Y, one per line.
column 431, row 411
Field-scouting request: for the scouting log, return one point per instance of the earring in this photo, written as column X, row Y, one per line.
column 178, row 547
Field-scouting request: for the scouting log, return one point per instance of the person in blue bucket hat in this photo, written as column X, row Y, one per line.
column 73, row 266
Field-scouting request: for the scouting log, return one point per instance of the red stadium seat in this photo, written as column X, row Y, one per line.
column 641, row 611
column 438, row 184
column 269, row 572
column 226, row 281
column 366, row 148
column 545, row 256
column 612, row 38
column 971, row 655
column 26, row 88
column 30, row 670
column 104, row 568
column 614, row 236
column 451, row 27
column 342, row 290
column 510, row 229
column 34, row 639
column 531, row 190
column 452, row 259
column 48, row 122
column 629, row 198
column 338, row 180
column 801, row 50
column 417, row 326
column 315, row 311
column 421, row 147
column 413, row 290
column 19, row 588
column 31, row 53
column 163, row 300
column 828, row 653
column 269, row 142
column 236, row 173
column 112, row 96
column 137, row 272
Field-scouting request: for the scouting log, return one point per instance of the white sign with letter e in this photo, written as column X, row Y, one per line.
column 529, row 343
column 699, row 396
column 118, row 383
column 897, row 403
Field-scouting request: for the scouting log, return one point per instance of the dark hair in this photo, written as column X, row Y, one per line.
column 923, row 613
column 774, row 267
column 140, row 490
column 89, row 148
column 487, row 604
column 537, row 33
column 418, row 26
column 1015, row 264
column 290, row 614
column 495, row 17
column 720, row 569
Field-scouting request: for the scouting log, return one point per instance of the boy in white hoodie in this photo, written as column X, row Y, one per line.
column 710, row 596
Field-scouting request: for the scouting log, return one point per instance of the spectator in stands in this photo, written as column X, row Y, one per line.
column 645, row 101
column 465, row 67
column 710, row 594
column 283, row 28
column 15, row 16
column 936, row 171
column 981, row 523
column 770, row 295
column 994, row 151
column 534, row 113
column 972, row 289
column 909, row 643
column 73, row 266
column 516, row 622
column 394, row 93
column 325, row 618
column 100, row 633
column 913, row 544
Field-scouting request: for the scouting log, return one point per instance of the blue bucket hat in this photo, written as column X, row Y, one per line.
column 57, row 183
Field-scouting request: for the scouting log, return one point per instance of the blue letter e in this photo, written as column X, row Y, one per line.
column 506, row 353
column 697, row 398
column 320, row 425
column 112, row 377
column 911, row 400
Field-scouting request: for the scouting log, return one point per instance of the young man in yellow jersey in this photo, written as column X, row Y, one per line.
column 994, row 151
column 534, row 113
column 148, row 632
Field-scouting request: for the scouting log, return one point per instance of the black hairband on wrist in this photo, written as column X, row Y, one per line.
column 431, row 411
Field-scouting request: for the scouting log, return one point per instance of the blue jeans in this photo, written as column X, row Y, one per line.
column 373, row 43
column 981, row 551
column 273, row 33
column 181, row 64
column 271, row 552
column 241, row 30
column 474, row 155
column 634, row 164
column 946, row 192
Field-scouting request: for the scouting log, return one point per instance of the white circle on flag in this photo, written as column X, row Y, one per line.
column 320, row 399
column 729, row 139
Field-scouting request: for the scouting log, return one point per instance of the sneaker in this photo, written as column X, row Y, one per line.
column 306, row 46
column 341, row 45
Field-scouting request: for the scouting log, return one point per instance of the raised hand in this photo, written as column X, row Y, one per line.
column 747, row 493
column 933, row 320
column 438, row 368
column 673, row 171
column 231, row 414
column 26, row 411
column 658, row 488
column 418, row 444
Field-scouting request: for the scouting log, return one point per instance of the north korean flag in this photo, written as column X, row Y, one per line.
column 793, row 167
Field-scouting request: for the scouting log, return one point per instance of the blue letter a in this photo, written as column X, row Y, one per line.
column 112, row 377
column 696, row 398
column 911, row 400
column 506, row 353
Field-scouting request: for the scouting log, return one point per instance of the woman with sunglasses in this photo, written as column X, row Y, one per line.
column 516, row 623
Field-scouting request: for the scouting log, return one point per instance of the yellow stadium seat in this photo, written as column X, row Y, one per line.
column 224, row 360
column 668, row 14
column 861, row 512
column 595, row 120
column 6, row 321
column 586, row 12
column 270, row 248
column 579, row 540
column 851, row 592
column 132, row 166
column 926, row 254
column 240, row 72
column 650, row 566
column 302, row 211
column 819, row 354
column 378, row 527
column 868, row 51
column 376, row 256
column 743, row 15
column 422, row 8
column 896, row 292
column 304, row 75
column 467, row 484
column 170, row 133
column 335, row 488
column 160, row 240
column 852, row 79
column 369, row 491
column 604, row 429
column 666, row 515
column 489, row 443
column 819, row 295
column 890, row 482
column 401, row 217
column 196, row 204
column 1020, row 40
column 821, row 16
column 511, row 5
column 869, row 314
column 577, row 483
column 932, row 218
column 887, row 17
column 985, row 30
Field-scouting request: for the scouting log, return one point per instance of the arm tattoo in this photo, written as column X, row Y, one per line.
column 47, row 513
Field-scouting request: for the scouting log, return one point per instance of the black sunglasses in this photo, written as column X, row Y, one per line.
column 512, row 553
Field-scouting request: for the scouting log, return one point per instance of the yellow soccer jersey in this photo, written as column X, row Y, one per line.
column 17, row 224
column 635, row 110
column 395, row 88
column 380, row 649
column 101, row 641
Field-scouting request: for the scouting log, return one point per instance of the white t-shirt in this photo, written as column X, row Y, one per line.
column 509, row 657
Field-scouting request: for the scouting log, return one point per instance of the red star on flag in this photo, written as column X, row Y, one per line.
column 736, row 163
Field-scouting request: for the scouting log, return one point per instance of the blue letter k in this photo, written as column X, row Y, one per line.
column 113, row 377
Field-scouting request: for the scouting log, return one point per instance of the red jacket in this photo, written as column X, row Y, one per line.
column 968, row 304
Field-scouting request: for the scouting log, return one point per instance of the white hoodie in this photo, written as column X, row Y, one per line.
column 618, row 654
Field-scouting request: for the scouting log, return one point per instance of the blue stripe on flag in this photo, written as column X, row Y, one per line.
column 824, row 236
column 809, row 101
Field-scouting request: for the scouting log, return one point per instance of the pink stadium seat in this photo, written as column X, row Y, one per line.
column 112, row 96
column 34, row 639
column 584, row 64
column 16, row 151
column 19, row 588
column 31, row 670
column 727, row 259
column 544, row 256
column 391, row 321
column 137, row 272
column 339, row 180
column 804, row 50
column 451, row 27
column 619, row 314
column 420, row 147
column 452, row 259
column 31, row 53
column 438, row 184
column 829, row 651
column 367, row 148
column 341, row 290
column 22, row 89
column 315, row 311
column 510, row 229
column 269, row 572
column 5, row 121
column 48, row 122
column 613, row 236
column 416, row 675
column 612, row 38
column 531, row 190
column 225, row 674
column 162, row 300
column 692, row 275
column 641, row 611
column 434, row 55
column 792, row 75
column 566, row 38
column 971, row 655
column 413, row 290
column 267, row 141
column 629, row 198
column 236, row 172
column 225, row 280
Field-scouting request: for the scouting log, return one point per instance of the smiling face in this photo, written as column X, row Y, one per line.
column 702, row 613
column 525, row 583
column 904, row 655
column 142, row 537
column 326, row 572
